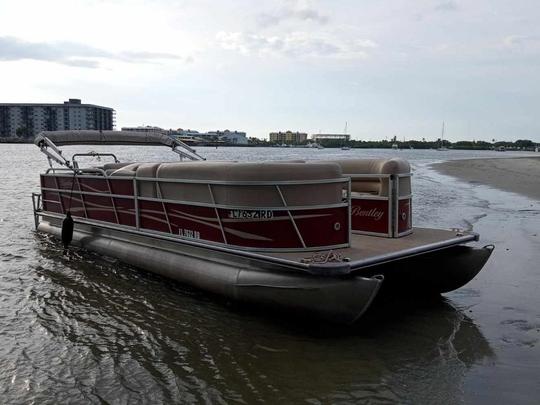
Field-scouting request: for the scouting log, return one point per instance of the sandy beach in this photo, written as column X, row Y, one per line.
column 519, row 175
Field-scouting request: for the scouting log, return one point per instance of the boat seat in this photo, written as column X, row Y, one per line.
column 115, row 166
column 128, row 170
column 376, row 186
column 148, row 188
column 252, row 195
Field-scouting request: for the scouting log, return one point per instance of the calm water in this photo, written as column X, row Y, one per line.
column 91, row 330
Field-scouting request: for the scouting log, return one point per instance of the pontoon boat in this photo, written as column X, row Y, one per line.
column 315, row 237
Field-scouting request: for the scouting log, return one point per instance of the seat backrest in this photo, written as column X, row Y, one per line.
column 378, row 186
column 148, row 188
column 252, row 195
column 128, row 170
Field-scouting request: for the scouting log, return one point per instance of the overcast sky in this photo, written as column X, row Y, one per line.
column 385, row 67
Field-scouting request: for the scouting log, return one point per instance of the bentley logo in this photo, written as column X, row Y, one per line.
column 373, row 213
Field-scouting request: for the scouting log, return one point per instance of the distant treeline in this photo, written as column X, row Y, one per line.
column 520, row 144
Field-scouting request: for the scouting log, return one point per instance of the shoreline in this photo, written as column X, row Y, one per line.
column 28, row 141
column 515, row 174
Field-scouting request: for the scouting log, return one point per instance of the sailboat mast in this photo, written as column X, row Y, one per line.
column 442, row 134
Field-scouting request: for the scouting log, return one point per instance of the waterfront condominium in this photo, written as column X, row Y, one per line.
column 27, row 120
column 288, row 137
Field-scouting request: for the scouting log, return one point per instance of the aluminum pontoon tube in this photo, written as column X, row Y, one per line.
column 336, row 299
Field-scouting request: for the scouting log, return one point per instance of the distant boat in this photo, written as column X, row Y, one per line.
column 536, row 149
column 345, row 148
column 395, row 146
column 501, row 149
column 441, row 144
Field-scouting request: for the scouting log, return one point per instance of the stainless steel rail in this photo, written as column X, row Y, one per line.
column 46, row 142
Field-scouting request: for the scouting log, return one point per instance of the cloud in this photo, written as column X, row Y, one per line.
column 518, row 40
column 73, row 54
column 288, row 14
column 449, row 5
column 296, row 44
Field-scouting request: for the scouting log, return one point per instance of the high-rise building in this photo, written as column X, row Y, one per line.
column 288, row 137
column 27, row 120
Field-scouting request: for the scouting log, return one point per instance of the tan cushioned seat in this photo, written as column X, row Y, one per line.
column 109, row 166
column 128, row 170
column 254, row 196
column 376, row 166
column 148, row 188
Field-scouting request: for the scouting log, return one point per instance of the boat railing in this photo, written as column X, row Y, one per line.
column 98, row 155
column 37, row 205
column 49, row 142
column 70, row 186
column 89, row 171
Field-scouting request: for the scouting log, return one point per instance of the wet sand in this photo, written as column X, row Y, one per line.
column 519, row 175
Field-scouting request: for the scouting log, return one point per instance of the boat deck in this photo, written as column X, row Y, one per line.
column 367, row 250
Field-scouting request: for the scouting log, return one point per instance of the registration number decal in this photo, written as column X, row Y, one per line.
column 251, row 214
column 188, row 233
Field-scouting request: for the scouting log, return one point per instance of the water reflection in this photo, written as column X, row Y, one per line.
column 129, row 335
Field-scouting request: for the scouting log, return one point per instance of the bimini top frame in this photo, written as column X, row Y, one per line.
column 49, row 141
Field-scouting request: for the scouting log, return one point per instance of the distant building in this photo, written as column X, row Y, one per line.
column 184, row 133
column 27, row 120
column 189, row 136
column 193, row 136
column 318, row 137
column 230, row 137
column 288, row 137
column 235, row 137
column 146, row 128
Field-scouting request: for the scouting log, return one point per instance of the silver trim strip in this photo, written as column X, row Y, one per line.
column 201, row 204
column 291, row 217
column 217, row 214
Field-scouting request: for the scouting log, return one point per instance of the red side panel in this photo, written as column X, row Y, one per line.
column 126, row 211
column 152, row 216
column 323, row 227
column 99, row 208
column 51, row 201
column 48, row 182
column 370, row 216
column 94, row 185
column 259, row 228
column 122, row 186
column 73, row 203
column 194, row 222
column 240, row 227
column 404, row 215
